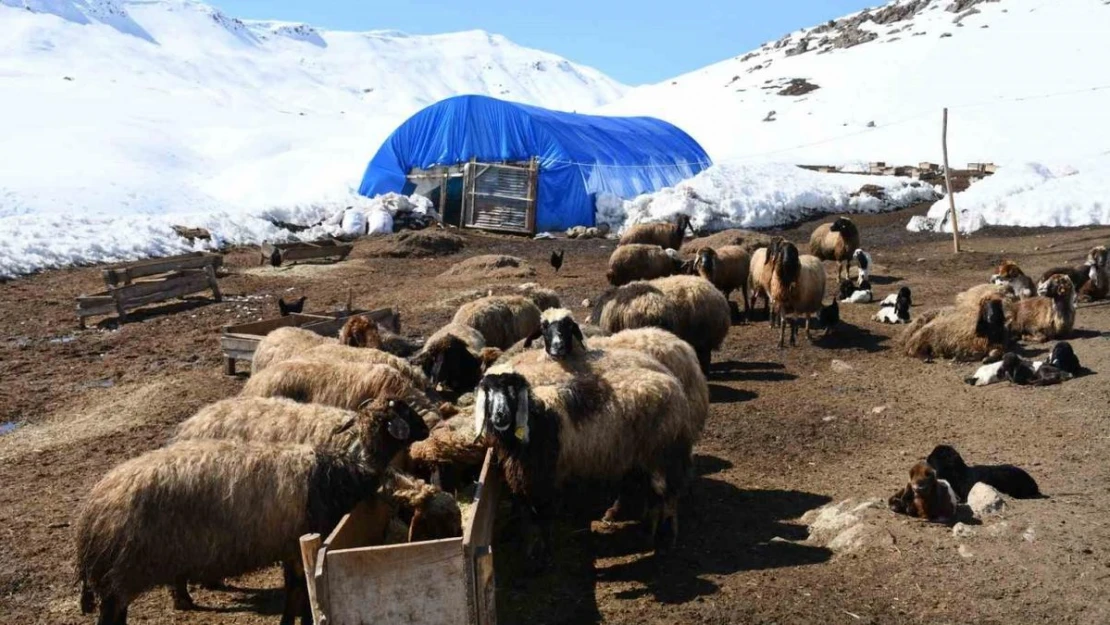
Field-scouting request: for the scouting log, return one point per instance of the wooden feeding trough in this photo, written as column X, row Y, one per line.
column 238, row 342
column 354, row 579
column 291, row 252
column 132, row 285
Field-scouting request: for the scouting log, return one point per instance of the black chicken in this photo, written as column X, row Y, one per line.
column 289, row 308
column 557, row 260
column 275, row 258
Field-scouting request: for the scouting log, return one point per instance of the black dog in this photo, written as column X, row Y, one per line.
column 1007, row 478
column 289, row 308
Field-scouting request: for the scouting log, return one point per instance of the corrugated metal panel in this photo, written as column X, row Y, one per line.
column 502, row 197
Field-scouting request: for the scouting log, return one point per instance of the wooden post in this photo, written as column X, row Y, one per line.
column 310, row 550
column 948, row 186
column 213, row 283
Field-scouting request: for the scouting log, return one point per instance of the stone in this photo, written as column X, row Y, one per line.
column 860, row 536
column 840, row 366
column 965, row 552
column 984, row 500
column 962, row 530
column 1029, row 535
column 878, row 410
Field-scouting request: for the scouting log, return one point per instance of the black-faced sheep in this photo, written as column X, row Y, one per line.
column 1009, row 274
column 455, row 357
column 1098, row 287
column 837, row 241
column 895, row 308
column 690, row 307
column 289, row 342
column 1046, row 317
column 863, row 262
column 961, row 333
column 1007, row 478
column 665, row 235
column 607, row 425
column 639, row 261
column 501, row 319
column 797, row 286
column 853, row 293
column 926, row 496
column 1027, row 373
column 727, row 267
column 210, row 509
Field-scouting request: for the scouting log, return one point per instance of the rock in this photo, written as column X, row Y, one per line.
column 984, row 500
column 965, row 552
column 962, row 530
column 1029, row 535
column 586, row 303
column 840, row 366
column 861, row 536
column 878, row 410
column 828, row 419
column 998, row 529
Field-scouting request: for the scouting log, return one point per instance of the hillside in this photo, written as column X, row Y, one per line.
column 1022, row 79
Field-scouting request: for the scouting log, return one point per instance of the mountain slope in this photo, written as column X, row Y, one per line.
column 1023, row 79
column 171, row 106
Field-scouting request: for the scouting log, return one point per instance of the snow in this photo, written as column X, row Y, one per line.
column 761, row 195
column 1023, row 79
column 1030, row 194
column 134, row 115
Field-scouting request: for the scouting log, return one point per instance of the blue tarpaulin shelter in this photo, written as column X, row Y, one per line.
column 579, row 156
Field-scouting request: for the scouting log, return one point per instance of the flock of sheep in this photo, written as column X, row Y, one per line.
column 325, row 423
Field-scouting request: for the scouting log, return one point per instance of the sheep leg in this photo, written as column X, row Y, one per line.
column 793, row 332
column 782, row 333
column 180, row 593
column 111, row 613
column 296, row 596
column 705, row 359
column 678, row 465
column 809, row 337
column 747, row 308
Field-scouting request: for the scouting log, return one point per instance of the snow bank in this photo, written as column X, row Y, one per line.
column 1029, row 195
column 746, row 195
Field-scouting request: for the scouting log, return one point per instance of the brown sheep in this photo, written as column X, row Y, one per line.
column 1098, row 287
column 665, row 235
column 638, row 261
column 501, row 319
column 269, row 420
column 976, row 295
column 926, row 496
column 797, row 286
column 360, row 332
column 331, row 352
column 288, row 342
column 192, row 511
column 1009, row 274
column 454, row 358
column 759, row 276
column 1044, row 318
column 727, row 268
column 836, row 241
column 962, row 333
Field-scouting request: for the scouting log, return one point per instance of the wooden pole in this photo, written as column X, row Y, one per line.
column 948, row 186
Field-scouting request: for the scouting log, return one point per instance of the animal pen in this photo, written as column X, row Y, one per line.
column 137, row 284
column 499, row 197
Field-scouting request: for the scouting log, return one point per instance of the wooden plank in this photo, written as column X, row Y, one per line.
column 310, row 550
column 304, row 253
column 213, row 283
column 171, row 282
column 480, row 530
column 477, row 541
column 414, row 583
column 129, row 271
column 362, row 526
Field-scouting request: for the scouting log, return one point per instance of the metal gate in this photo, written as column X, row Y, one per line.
column 501, row 197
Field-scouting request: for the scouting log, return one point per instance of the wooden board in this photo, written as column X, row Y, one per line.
column 122, row 274
column 477, row 545
column 291, row 252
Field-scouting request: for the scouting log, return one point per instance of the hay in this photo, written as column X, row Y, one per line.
column 746, row 239
column 415, row 244
column 490, row 267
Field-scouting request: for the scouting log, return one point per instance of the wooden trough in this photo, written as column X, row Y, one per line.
column 239, row 341
column 132, row 285
column 353, row 579
column 291, row 252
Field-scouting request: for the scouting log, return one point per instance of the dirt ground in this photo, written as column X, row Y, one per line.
column 787, row 434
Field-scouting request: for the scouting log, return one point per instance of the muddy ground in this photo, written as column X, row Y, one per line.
column 787, row 434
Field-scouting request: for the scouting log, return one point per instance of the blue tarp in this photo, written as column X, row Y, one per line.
column 579, row 156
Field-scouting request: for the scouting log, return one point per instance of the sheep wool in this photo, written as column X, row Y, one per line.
column 501, row 319
column 639, row 261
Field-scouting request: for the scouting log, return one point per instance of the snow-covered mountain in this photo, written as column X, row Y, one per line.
column 155, row 106
column 1024, row 80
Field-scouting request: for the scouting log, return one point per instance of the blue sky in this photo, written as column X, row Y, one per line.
column 635, row 42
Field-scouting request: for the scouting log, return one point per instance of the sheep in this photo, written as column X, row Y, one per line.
column 192, row 511
column 690, row 307
column 434, row 514
column 1009, row 274
column 268, row 420
column 960, row 333
column 1098, row 286
column 759, row 276
column 330, row 352
column 926, row 496
column 665, row 235
column 863, row 261
column 727, row 268
column 837, row 241
column 1027, row 373
column 639, row 261
column 501, row 319
column 1079, row 275
column 287, row 342
column 607, row 424
column 976, row 295
column 1007, row 478
column 852, row 293
column 1044, row 318
column 797, row 285
column 339, row 384
column 454, row 358
column 542, row 297
column 895, row 308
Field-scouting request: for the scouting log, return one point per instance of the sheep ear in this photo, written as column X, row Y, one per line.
column 522, row 407
column 578, row 334
column 343, row 427
column 532, row 338
column 399, row 429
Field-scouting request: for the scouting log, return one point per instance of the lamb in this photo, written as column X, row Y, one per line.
column 852, row 293
column 960, row 333
column 1007, row 478
column 1025, row 373
column 690, row 307
column 895, row 308
column 338, row 384
column 1009, row 274
column 665, row 235
column 454, row 358
column 287, row 342
column 1044, row 318
column 433, row 514
column 501, row 319
column 608, row 424
column 727, row 268
column 1063, row 358
column 191, row 511
column 863, row 261
column 797, row 286
column 1098, row 286
column 926, row 496
column 837, row 241
column 638, row 261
